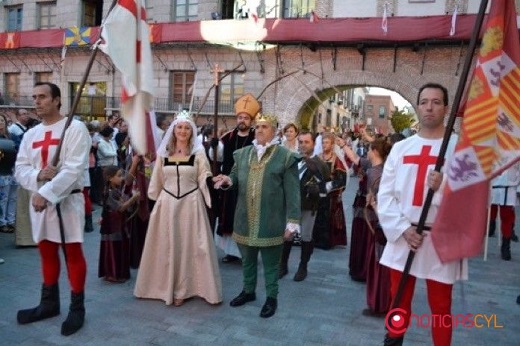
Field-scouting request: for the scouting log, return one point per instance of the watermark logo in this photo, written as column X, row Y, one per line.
column 395, row 321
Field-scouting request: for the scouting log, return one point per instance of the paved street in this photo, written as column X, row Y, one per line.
column 325, row 309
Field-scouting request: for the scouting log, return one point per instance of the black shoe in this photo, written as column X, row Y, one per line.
column 243, row 298
column 301, row 274
column 505, row 249
column 76, row 315
column 518, row 300
column 230, row 259
column 49, row 306
column 269, row 307
column 393, row 341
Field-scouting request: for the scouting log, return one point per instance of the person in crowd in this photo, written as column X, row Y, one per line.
column 267, row 211
column 360, row 236
column 179, row 258
column 313, row 174
column 407, row 175
column 378, row 276
column 57, row 205
column 20, row 127
column 8, row 186
column 290, row 132
column 106, row 149
column 246, row 109
column 503, row 199
column 330, row 229
column 114, row 257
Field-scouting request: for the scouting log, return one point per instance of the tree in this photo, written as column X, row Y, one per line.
column 401, row 120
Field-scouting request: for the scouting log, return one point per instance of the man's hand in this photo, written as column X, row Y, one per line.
column 47, row 173
column 434, row 180
column 288, row 235
column 413, row 238
column 221, row 181
column 39, row 203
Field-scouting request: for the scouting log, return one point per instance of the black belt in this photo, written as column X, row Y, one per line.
column 425, row 228
column 75, row 191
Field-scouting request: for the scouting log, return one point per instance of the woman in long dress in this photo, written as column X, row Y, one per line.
column 179, row 260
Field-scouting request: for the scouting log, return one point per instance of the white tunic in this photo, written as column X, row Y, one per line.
column 36, row 151
column 402, row 192
column 504, row 186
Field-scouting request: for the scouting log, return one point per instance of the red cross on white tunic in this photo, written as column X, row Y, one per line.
column 45, row 144
column 423, row 161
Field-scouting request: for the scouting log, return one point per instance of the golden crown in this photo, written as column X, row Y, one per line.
column 268, row 118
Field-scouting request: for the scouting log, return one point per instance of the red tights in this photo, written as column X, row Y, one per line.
column 507, row 218
column 439, row 299
column 76, row 264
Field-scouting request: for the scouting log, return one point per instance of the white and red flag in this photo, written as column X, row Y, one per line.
column 127, row 41
column 490, row 138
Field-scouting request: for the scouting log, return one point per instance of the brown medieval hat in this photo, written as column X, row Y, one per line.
column 247, row 104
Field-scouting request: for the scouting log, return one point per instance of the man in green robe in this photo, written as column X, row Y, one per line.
column 268, row 208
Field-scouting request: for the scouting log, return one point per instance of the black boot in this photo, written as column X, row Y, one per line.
column 76, row 315
column 393, row 341
column 89, row 227
column 492, row 228
column 307, row 249
column 284, row 269
column 505, row 249
column 49, row 306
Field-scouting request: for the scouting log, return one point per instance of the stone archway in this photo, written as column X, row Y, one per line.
column 403, row 71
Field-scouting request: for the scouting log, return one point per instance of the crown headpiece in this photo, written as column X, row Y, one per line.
column 267, row 118
column 184, row 115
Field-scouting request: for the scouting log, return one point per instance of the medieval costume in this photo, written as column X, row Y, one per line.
column 378, row 276
column 266, row 177
column 114, row 257
column 236, row 139
column 360, row 236
column 330, row 229
column 65, row 212
column 503, row 196
column 402, row 191
column 179, row 259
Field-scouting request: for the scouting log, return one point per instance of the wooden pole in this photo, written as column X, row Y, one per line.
column 216, row 72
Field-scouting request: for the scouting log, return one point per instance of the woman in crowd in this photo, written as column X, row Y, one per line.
column 290, row 132
column 179, row 259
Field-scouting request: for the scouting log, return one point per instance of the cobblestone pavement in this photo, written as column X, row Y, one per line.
column 325, row 309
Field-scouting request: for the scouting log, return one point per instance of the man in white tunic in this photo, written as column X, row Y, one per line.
column 55, row 190
column 407, row 174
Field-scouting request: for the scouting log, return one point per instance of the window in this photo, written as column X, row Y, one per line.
column 370, row 108
column 185, row 10
column 231, row 88
column 12, row 86
column 42, row 77
column 90, row 105
column 181, row 83
column 92, row 11
column 14, row 18
column 298, row 8
column 382, row 112
column 47, row 15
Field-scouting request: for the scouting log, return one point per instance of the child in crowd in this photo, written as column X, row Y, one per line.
column 114, row 259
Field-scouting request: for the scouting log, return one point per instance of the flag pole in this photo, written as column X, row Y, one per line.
column 216, row 70
column 444, row 146
column 82, row 84
column 486, row 241
column 72, row 110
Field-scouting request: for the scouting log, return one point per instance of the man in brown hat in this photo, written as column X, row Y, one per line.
column 246, row 108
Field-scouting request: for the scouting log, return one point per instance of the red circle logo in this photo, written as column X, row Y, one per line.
column 395, row 321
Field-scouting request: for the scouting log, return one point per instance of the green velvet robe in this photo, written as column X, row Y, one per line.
column 268, row 195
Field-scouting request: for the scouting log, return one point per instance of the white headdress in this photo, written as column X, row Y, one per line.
column 195, row 142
